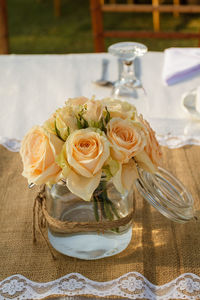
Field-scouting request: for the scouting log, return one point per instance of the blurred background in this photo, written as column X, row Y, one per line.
column 34, row 28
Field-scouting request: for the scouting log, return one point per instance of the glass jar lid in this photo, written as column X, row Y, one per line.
column 167, row 194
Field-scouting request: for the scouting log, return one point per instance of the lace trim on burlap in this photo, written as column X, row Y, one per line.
column 132, row 285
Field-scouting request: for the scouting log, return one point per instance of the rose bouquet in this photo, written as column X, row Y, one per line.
column 87, row 139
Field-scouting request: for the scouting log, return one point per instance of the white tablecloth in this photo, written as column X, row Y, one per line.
column 33, row 86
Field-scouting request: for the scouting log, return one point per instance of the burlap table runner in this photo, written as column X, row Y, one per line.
column 160, row 249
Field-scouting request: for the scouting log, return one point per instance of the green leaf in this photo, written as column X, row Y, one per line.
column 111, row 168
column 96, row 208
column 102, row 207
column 79, row 125
column 108, row 211
column 107, row 117
column 58, row 132
column 106, row 170
column 102, row 126
column 68, row 130
column 94, row 124
column 62, row 162
column 85, row 123
column 81, row 121
column 113, row 209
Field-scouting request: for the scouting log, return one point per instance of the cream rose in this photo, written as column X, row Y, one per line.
column 126, row 137
column 92, row 109
column 76, row 101
column 119, row 109
column 38, row 152
column 65, row 122
column 86, row 152
column 49, row 125
column 62, row 122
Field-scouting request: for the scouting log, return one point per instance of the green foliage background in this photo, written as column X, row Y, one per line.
column 33, row 29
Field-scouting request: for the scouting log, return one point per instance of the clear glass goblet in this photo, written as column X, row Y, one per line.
column 129, row 87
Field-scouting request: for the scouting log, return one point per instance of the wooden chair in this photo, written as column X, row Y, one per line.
column 3, row 28
column 57, row 8
column 98, row 7
column 155, row 13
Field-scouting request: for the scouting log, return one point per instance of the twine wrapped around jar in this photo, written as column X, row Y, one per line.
column 42, row 217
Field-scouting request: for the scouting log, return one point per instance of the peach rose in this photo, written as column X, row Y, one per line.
column 86, row 151
column 38, row 152
column 152, row 148
column 119, row 109
column 127, row 138
column 150, row 158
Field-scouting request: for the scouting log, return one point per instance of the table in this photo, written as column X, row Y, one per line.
column 161, row 250
column 33, row 86
column 164, row 254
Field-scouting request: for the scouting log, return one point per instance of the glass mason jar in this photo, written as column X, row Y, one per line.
column 162, row 190
column 107, row 204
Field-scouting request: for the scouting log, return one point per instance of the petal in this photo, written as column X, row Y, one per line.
column 56, row 144
column 104, row 155
column 49, row 125
column 125, row 177
column 48, row 157
column 117, row 154
column 145, row 162
column 81, row 186
column 76, row 101
column 129, row 174
column 49, row 175
column 117, row 181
